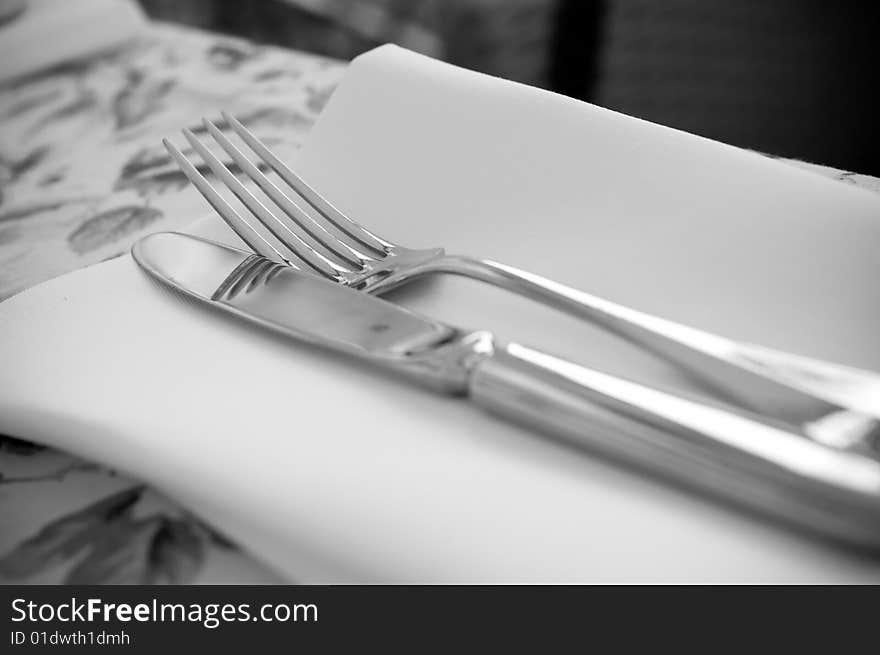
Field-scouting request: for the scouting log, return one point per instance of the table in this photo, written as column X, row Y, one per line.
column 83, row 176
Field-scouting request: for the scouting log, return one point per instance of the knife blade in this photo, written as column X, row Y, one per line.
column 310, row 309
column 726, row 451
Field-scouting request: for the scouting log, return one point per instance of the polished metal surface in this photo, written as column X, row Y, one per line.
column 833, row 404
column 770, row 466
column 731, row 454
column 311, row 309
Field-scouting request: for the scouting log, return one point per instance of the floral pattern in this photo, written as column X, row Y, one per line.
column 83, row 174
column 64, row 520
column 106, row 543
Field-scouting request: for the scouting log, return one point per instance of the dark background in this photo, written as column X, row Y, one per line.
column 794, row 78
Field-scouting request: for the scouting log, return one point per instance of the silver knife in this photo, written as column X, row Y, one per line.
column 729, row 452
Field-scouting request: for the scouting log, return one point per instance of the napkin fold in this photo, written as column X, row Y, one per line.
column 333, row 472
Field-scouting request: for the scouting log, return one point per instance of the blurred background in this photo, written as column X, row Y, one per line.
column 794, row 78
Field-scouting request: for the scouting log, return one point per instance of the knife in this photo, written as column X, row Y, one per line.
column 729, row 452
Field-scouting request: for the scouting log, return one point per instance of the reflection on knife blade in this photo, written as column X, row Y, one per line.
column 729, row 452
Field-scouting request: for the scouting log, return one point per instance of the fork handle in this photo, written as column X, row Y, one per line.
column 726, row 451
column 776, row 384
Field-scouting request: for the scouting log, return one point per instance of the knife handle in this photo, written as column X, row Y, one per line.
column 727, row 451
column 775, row 383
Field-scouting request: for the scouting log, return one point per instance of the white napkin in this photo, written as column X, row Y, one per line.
column 52, row 32
column 333, row 472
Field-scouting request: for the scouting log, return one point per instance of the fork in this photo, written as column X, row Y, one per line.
column 833, row 404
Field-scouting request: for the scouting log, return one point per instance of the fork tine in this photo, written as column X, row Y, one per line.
column 343, row 252
column 252, row 238
column 342, row 222
column 307, row 254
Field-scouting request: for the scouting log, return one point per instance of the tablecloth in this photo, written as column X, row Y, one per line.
column 83, row 175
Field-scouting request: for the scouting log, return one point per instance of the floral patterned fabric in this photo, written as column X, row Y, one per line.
column 83, row 175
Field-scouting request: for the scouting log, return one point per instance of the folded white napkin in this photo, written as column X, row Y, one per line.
column 52, row 32
column 333, row 472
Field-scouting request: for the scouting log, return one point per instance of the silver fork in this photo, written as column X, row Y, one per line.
column 834, row 404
